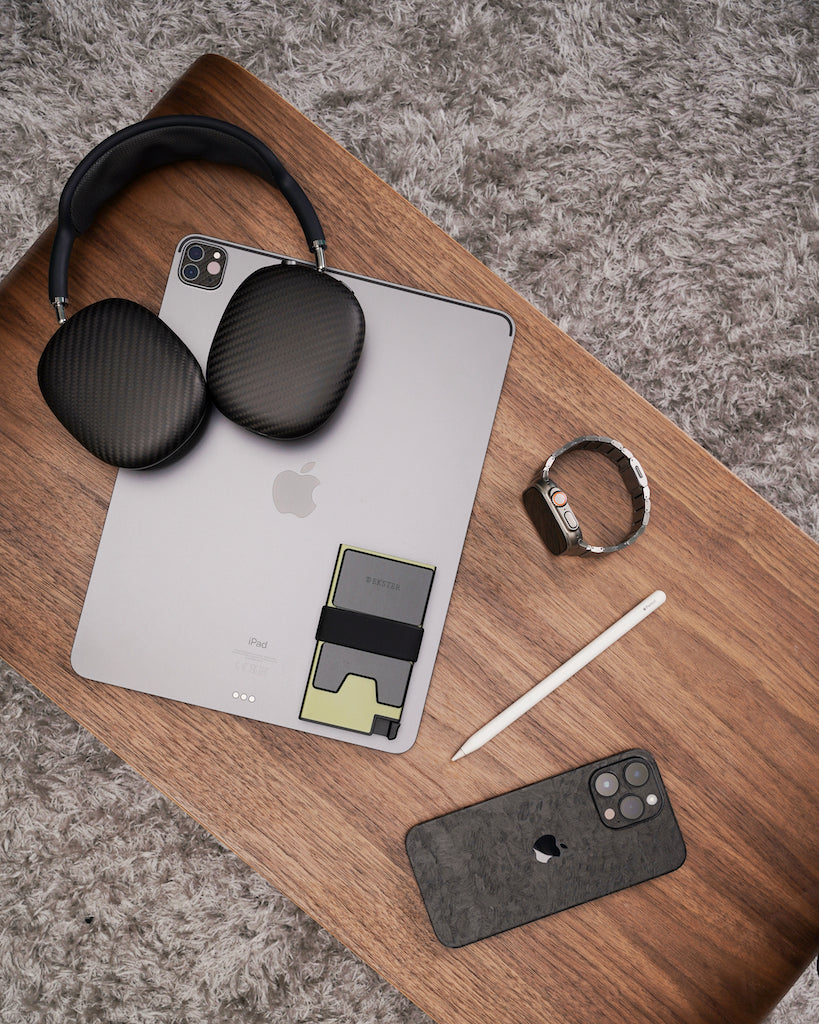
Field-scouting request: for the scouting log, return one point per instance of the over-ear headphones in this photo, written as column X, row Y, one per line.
column 126, row 386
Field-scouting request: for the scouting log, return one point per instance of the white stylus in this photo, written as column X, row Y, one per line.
column 560, row 675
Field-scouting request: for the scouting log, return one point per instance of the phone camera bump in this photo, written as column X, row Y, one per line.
column 626, row 792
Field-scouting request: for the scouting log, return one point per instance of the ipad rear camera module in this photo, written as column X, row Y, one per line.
column 203, row 264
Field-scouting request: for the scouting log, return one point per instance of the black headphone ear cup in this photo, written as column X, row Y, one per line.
column 123, row 384
column 285, row 350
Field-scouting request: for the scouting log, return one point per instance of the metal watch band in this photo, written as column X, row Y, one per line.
column 633, row 477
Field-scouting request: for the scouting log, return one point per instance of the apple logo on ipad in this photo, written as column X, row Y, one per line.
column 547, row 847
column 293, row 492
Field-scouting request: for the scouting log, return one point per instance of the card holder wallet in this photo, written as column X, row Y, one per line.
column 368, row 638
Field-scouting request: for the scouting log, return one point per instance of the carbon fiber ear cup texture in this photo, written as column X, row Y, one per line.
column 123, row 384
column 285, row 351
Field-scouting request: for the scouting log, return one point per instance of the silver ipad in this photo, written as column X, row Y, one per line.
column 241, row 577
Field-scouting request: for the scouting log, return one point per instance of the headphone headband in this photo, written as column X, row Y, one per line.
column 147, row 145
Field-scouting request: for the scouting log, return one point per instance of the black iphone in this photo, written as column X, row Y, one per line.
column 544, row 848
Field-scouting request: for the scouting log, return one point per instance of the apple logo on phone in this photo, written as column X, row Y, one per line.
column 547, row 847
column 293, row 492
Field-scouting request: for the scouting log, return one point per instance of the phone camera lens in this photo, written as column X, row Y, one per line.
column 195, row 253
column 190, row 272
column 636, row 773
column 631, row 807
column 606, row 784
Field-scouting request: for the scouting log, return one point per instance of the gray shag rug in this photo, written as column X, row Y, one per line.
column 645, row 173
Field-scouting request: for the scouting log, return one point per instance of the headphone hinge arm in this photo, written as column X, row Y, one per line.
column 59, row 303
column 318, row 247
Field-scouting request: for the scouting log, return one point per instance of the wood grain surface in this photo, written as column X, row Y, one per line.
column 719, row 684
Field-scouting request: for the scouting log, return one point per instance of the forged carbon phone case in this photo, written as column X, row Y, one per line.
column 479, row 873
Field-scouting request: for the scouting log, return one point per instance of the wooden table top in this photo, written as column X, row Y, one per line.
column 719, row 684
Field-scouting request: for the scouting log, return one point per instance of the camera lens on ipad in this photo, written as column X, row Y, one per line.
column 636, row 773
column 606, row 784
column 631, row 807
column 203, row 264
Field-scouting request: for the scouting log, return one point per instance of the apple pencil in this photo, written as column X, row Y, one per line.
column 560, row 675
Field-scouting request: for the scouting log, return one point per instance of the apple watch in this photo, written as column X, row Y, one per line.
column 549, row 509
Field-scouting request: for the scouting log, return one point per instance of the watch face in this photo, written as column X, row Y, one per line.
column 538, row 500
